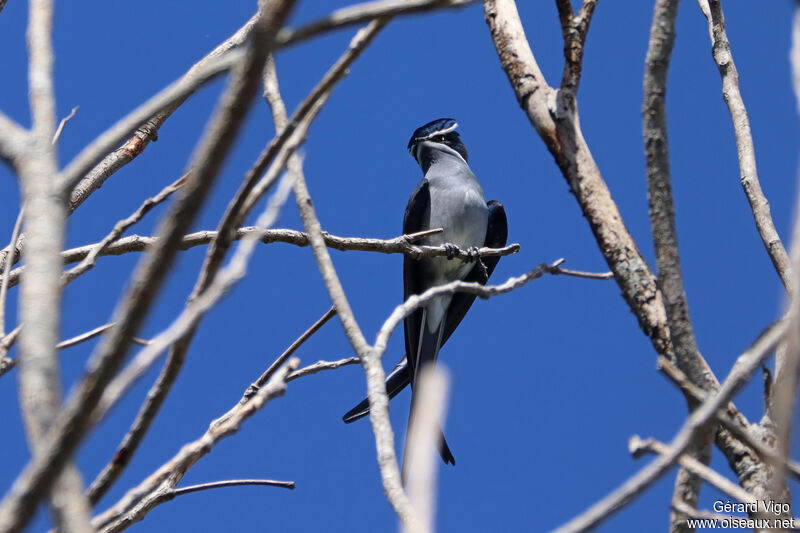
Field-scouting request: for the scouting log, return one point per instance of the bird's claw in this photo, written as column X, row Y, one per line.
column 473, row 253
column 451, row 250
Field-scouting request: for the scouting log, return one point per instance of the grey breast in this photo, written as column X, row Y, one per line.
column 458, row 206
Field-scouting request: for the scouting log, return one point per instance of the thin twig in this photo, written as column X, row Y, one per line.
column 60, row 129
column 233, row 483
column 89, row 261
column 697, row 514
column 397, row 245
column 282, row 358
column 735, row 425
column 6, row 267
column 159, row 486
column 639, row 447
column 665, row 235
column 360, row 13
column 574, row 29
column 581, row 274
column 194, row 310
column 321, row 366
column 721, row 51
column 123, row 128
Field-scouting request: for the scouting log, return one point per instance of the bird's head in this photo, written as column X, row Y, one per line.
column 439, row 136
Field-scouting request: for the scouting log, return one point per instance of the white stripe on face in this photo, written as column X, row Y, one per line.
column 438, row 146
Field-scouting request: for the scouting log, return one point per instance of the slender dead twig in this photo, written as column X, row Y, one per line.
column 233, row 483
column 734, row 424
column 119, row 228
column 665, row 235
column 13, row 141
column 177, row 91
column 193, row 312
column 7, row 364
column 321, row 366
column 5, row 265
column 397, row 245
column 638, row 447
column 581, row 274
column 282, row 358
column 574, row 28
column 158, row 487
column 691, row 512
column 60, row 129
column 360, row 13
column 721, row 51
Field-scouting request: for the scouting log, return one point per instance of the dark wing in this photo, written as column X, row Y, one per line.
column 496, row 237
column 415, row 220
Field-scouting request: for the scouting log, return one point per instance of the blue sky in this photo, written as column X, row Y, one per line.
column 549, row 382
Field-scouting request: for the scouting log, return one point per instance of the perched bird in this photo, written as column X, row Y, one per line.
column 448, row 197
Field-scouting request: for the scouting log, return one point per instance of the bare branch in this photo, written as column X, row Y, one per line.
column 397, row 245
column 691, row 512
column 721, row 50
column 581, row 274
column 282, row 358
column 554, row 115
column 360, row 13
column 193, row 312
column 159, row 486
column 665, row 235
column 60, row 129
column 233, row 483
column 13, row 140
column 639, row 447
column 321, row 366
column 88, row 262
column 735, row 424
column 574, row 29
column 5, row 267
column 745, row 365
column 6, row 363
column 175, row 92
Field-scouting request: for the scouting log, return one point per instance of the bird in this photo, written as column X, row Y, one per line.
column 448, row 197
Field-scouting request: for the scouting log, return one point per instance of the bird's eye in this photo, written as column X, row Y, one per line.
column 439, row 138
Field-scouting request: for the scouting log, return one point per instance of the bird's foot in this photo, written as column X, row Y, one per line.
column 451, row 250
column 473, row 253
